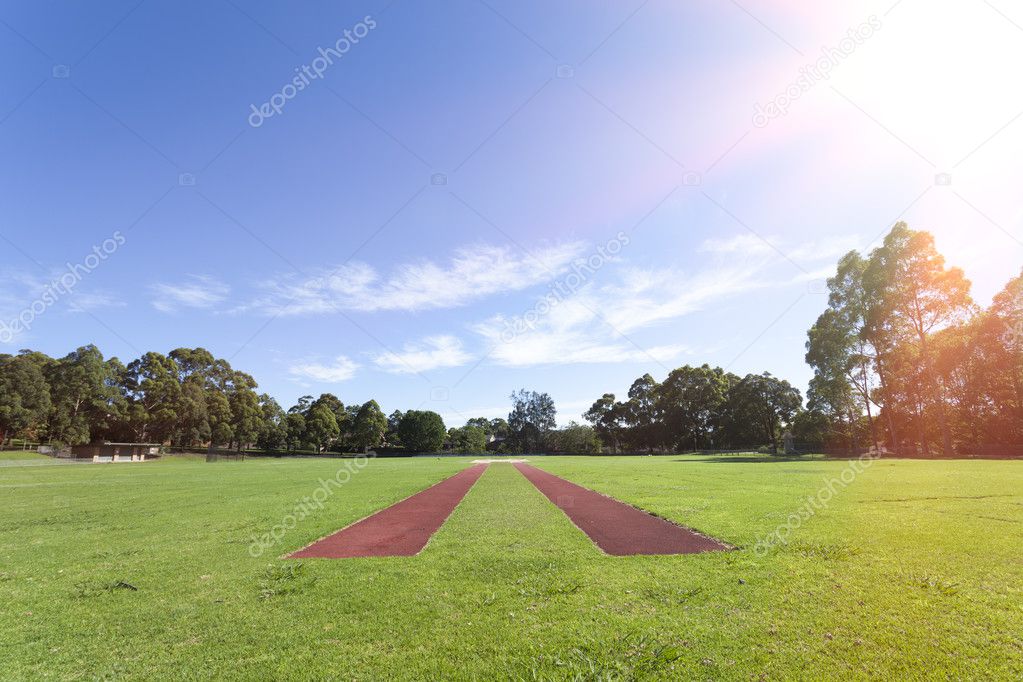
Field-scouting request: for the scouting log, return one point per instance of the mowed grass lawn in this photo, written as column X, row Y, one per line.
column 19, row 455
column 143, row 571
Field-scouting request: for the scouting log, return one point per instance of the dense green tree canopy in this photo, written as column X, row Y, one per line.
column 24, row 396
column 902, row 357
column 422, row 431
column 532, row 417
column 321, row 427
column 368, row 427
column 575, row 438
column 468, row 440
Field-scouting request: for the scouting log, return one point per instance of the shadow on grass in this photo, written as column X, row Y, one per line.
column 762, row 459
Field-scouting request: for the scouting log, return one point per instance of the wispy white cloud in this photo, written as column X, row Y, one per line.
column 573, row 332
column 598, row 324
column 646, row 297
column 745, row 244
column 828, row 249
column 737, row 265
column 83, row 302
column 748, row 245
column 17, row 289
column 470, row 274
column 341, row 369
column 27, row 296
column 197, row 291
column 433, row 352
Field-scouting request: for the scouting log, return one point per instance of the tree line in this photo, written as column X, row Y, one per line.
column 904, row 361
column 190, row 399
column 903, row 358
column 697, row 408
column 186, row 398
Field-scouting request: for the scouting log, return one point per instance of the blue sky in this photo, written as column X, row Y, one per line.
column 480, row 196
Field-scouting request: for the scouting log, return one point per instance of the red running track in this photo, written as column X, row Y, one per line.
column 403, row 529
column 617, row 528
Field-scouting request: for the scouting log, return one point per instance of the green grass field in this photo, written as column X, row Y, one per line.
column 18, row 455
column 143, row 571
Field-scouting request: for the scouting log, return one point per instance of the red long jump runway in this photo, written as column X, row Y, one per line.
column 402, row 529
column 615, row 527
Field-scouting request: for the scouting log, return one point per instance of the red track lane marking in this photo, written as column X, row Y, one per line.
column 402, row 529
column 615, row 527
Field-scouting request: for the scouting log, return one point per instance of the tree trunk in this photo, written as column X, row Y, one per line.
column 866, row 402
column 888, row 413
column 921, row 428
column 850, row 439
column 939, row 394
column 946, row 432
column 1017, row 387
